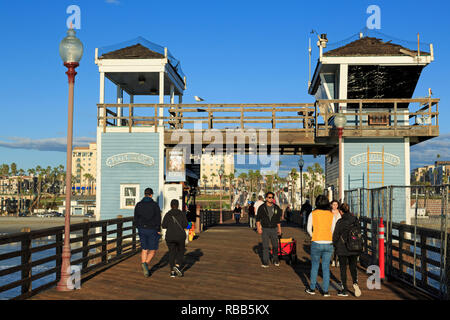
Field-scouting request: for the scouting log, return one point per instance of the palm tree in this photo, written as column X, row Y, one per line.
column 205, row 181
column 213, row 175
column 294, row 177
column 89, row 177
column 13, row 169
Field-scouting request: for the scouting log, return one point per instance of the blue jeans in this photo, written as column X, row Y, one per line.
column 324, row 251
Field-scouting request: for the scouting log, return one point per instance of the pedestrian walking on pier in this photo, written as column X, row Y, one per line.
column 147, row 218
column 175, row 222
column 268, row 223
column 305, row 210
column 258, row 203
column 237, row 213
column 344, row 254
column 337, row 215
column 251, row 215
column 321, row 223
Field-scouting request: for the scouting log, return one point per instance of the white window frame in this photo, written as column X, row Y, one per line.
column 123, row 197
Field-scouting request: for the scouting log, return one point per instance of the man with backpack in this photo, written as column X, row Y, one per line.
column 347, row 242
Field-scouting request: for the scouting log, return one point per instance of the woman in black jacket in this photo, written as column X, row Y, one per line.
column 175, row 222
column 344, row 255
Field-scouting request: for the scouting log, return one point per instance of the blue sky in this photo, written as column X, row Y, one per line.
column 231, row 52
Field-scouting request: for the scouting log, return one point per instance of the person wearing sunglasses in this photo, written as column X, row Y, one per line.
column 268, row 224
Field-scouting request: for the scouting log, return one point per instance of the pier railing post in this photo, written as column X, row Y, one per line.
column 86, row 227
column 26, row 261
column 119, row 236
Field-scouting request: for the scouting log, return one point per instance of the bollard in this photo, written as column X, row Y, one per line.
column 381, row 248
column 197, row 219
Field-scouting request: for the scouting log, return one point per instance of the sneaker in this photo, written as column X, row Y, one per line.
column 326, row 294
column 172, row 274
column 342, row 293
column 277, row 264
column 145, row 269
column 264, row 266
column 177, row 271
column 357, row 290
column 311, row 292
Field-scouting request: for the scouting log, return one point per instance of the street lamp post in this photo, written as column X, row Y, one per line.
column 220, row 203
column 340, row 121
column 71, row 51
column 301, row 163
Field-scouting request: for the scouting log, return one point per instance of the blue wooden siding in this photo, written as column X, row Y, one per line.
column 127, row 173
column 393, row 175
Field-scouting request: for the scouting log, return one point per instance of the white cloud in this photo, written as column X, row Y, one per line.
column 112, row 1
column 425, row 153
column 47, row 144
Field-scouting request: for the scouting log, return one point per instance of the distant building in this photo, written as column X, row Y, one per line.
column 210, row 166
column 436, row 174
column 84, row 161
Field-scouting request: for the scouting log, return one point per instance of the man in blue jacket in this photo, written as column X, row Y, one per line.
column 147, row 217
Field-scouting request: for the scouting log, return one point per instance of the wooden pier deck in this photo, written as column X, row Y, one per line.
column 223, row 264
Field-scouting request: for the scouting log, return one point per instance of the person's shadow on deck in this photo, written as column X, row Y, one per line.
column 191, row 258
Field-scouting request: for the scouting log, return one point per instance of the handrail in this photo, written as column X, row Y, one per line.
column 108, row 250
column 398, row 249
column 210, row 114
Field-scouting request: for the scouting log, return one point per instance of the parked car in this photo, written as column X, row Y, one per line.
column 89, row 215
column 55, row 214
column 22, row 214
column 40, row 215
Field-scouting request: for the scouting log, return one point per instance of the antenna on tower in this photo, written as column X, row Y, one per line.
column 309, row 58
column 309, row 62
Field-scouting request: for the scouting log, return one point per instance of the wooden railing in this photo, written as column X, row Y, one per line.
column 108, row 250
column 407, row 255
column 214, row 116
column 364, row 117
column 209, row 218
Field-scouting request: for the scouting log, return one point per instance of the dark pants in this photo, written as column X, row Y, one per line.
column 269, row 234
column 352, row 260
column 176, row 252
column 237, row 217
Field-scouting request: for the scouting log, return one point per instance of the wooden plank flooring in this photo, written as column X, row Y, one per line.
column 222, row 264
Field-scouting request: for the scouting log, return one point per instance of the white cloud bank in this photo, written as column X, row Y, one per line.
column 48, row 144
column 425, row 153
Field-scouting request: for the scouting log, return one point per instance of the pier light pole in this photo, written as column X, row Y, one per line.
column 340, row 121
column 71, row 51
column 221, row 171
column 301, row 163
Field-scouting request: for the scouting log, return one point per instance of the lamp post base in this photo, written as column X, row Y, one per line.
column 63, row 284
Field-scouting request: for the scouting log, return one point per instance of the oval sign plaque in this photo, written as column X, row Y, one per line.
column 375, row 157
column 130, row 157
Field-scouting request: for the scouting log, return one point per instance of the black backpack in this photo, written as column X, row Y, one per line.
column 352, row 237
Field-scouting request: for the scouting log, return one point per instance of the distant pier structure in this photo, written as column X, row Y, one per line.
column 372, row 83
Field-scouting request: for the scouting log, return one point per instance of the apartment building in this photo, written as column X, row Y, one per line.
column 84, row 168
column 210, row 166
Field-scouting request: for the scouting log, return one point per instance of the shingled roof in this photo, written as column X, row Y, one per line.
column 136, row 51
column 369, row 46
